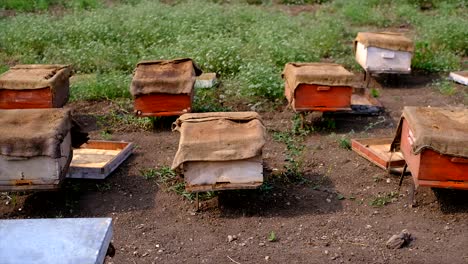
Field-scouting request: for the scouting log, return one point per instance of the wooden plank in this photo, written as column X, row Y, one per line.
column 33, row 187
column 377, row 151
column 460, row 185
column 97, row 159
column 459, row 77
column 222, row 187
column 25, row 99
column 163, row 104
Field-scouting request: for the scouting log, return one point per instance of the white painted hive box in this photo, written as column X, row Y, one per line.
column 35, row 148
column 384, row 52
column 220, row 151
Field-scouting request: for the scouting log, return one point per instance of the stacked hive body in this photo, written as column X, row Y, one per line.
column 318, row 86
column 164, row 88
column 34, row 86
column 383, row 52
column 434, row 143
column 35, row 148
column 219, row 151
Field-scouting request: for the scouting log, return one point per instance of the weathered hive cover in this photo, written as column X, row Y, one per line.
column 440, row 129
column 385, row 40
column 34, row 76
column 46, row 241
column 33, row 132
column 219, row 137
column 164, row 76
column 329, row 74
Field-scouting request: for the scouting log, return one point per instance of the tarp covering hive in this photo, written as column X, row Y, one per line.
column 33, row 132
column 385, row 40
column 35, row 76
column 219, row 137
column 164, row 76
column 315, row 86
column 440, row 129
column 36, row 148
column 35, row 86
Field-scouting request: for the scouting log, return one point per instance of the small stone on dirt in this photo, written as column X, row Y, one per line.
column 400, row 240
column 267, row 258
column 232, row 238
column 261, row 244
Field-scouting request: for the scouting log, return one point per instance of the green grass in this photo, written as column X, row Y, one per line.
column 384, row 199
column 246, row 45
column 344, row 143
column 445, row 86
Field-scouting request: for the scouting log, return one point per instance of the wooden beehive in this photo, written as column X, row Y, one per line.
column 318, row 86
column 384, row 52
column 35, row 86
column 434, row 143
column 164, row 87
column 220, row 151
column 35, row 148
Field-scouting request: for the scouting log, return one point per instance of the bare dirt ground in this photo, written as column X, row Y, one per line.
column 327, row 219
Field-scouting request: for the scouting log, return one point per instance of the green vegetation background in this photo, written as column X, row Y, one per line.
column 246, row 44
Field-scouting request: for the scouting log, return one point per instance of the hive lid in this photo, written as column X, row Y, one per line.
column 443, row 130
column 385, row 40
column 330, row 74
column 164, row 76
column 34, row 76
column 33, row 132
column 44, row 241
column 220, row 136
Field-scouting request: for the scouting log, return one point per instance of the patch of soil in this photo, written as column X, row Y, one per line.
column 326, row 218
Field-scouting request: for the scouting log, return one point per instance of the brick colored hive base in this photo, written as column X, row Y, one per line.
column 163, row 104
column 312, row 97
column 34, row 98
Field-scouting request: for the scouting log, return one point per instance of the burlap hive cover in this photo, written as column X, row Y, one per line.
column 33, row 132
column 34, row 76
column 219, row 137
column 440, row 129
column 329, row 74
column 385, row 40
column 164, row 76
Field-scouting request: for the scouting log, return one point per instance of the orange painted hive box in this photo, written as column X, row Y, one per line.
column 35, row 86
column 164, row 87
column 318, row 86
column 434, row 143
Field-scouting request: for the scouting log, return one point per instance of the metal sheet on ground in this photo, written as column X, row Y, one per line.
column 68, row 240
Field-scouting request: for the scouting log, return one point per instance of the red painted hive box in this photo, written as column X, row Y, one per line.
column 35, row 86
column 164, row 87
column 434, row 143
column 318, row 86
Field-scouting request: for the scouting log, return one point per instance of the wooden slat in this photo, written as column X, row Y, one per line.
column 222, row 186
